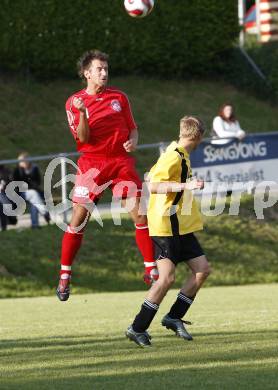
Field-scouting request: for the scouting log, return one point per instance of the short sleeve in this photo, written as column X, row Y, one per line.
column 167, row 168
column 73, row 116
column 128, row 113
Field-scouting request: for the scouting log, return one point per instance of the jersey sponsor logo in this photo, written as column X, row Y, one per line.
column 116, row 106
column 81, row 192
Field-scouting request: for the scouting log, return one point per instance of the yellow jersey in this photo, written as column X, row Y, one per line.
column 174, row 213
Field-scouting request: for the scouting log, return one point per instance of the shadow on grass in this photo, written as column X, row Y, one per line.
column 242, row 375
column 109, row 260
column 71, row 341
column 223, row 360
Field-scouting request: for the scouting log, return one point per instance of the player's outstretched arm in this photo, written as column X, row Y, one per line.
column 168, row 187
column 83, row 130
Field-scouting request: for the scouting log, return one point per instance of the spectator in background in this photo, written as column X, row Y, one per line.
column 30, row 174
column 5, row 178
column 225, row 125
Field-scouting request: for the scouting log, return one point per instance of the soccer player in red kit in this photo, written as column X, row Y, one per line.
column 102, row 124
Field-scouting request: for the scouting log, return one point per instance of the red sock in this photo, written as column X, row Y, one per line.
column 70, row 244
column 145, row 245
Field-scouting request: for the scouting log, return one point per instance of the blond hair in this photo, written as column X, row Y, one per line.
column 23, row 156
column 191, row 127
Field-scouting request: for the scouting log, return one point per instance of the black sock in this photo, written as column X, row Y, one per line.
column 144, row 318
column 181, row 306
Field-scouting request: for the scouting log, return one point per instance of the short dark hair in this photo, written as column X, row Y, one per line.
column 86, row 59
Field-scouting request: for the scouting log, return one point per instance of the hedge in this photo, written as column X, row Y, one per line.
column 266, row 57
column 180, row 37
column 233, row 67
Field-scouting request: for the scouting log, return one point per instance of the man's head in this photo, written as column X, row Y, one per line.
column 22, row 162
column 192, row 130
column 93, row 68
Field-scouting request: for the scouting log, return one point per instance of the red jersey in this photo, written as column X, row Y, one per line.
column 110, row 120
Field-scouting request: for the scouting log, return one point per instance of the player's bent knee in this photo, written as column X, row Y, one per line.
column 79, row 215
column 166, row 281
column 208, row 270
column 204, row 273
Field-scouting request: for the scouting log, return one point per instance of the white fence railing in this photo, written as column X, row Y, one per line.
column 268, row 140
column 160, row 146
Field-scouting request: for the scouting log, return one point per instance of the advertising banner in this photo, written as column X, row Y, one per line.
column 255, row 159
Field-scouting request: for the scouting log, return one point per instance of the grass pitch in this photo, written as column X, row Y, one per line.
column 157, row 105
column 241, row 249
column 46, row 344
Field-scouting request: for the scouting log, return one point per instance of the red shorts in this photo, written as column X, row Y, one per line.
column 95, row 174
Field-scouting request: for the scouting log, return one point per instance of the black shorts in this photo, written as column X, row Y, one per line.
column 177, row 248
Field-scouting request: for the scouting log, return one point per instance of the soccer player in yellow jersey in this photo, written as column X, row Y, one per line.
column 173, row 218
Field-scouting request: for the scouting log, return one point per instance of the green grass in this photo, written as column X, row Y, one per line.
column 33, row 116
column 46, row 344
column 80, row 344
column 36, row 121
column 241, row 250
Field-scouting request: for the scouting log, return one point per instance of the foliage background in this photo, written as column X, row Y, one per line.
column 180, row 37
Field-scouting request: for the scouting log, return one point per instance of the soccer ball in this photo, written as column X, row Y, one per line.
column 138, row 8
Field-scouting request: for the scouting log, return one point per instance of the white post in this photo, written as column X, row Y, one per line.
column 241, row 15
column 64, row 186
column 162, row 148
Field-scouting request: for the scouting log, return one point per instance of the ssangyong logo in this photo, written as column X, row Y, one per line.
column 235, row 151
